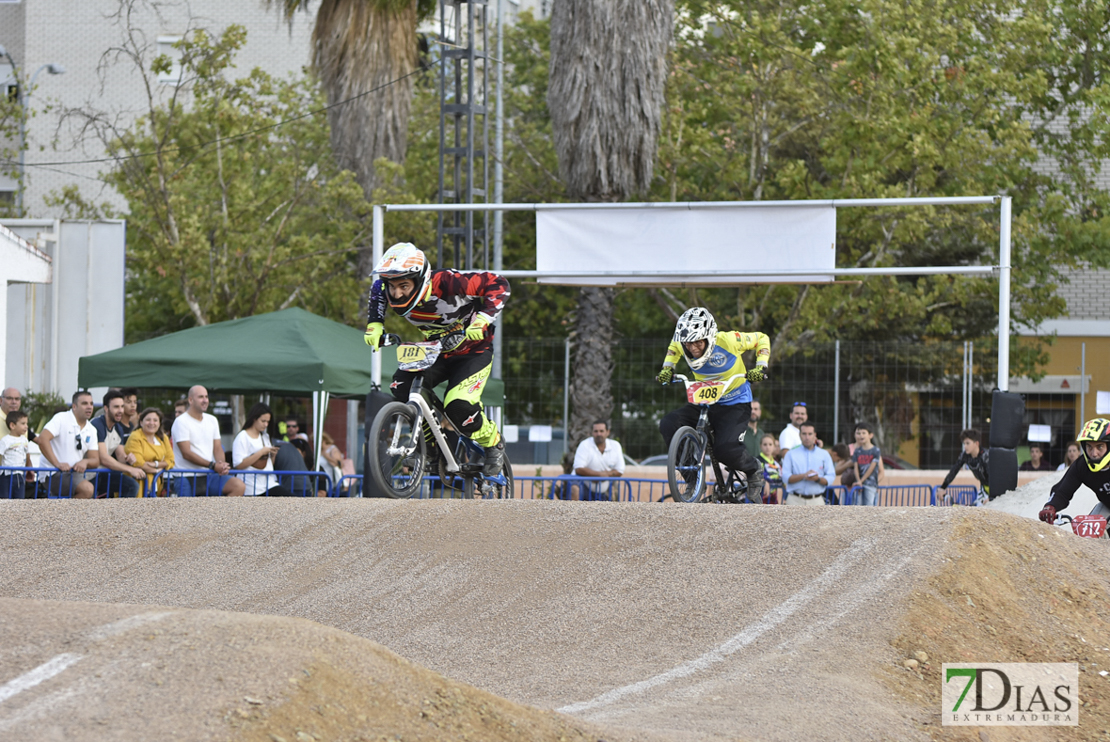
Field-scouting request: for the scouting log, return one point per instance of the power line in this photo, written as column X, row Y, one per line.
column 220, row 140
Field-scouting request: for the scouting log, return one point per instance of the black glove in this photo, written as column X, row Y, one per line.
column 759, row 373
column 665, row 376
column 1048, row 514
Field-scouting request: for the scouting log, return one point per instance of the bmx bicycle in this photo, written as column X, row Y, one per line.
column 399, row 458
column 691, row 447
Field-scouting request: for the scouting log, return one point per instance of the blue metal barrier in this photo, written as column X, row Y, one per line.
column 910, row 495
column 838, row 494
column 48, row 482
column 187, row 482
column 958, row 494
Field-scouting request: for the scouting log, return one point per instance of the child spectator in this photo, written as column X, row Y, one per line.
column 772, row 469
column 15, row 452
column 842, row 464
column 867, row 464
column 1037, row 461
column 977, row 460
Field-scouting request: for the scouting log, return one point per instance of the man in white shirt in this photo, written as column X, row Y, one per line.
column 68, row 443
column 807, row 470
column 597, row 456
column 790, row 436
column 197, row 446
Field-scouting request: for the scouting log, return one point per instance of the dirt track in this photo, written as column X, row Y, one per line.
column 654, row 622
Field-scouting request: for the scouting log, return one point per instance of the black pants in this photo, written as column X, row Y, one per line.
column 729, row 423
column 463, row 410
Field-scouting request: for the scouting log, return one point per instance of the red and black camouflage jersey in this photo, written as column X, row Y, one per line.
column 452, row 301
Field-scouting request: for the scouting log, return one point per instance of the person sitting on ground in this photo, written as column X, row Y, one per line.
column 867, row 464
column 124, row 474
column 976, row 460
column 151, row 448
column 15, row 451
column 68, row 443
column 597, row 456
column 253, row 452
column 807, row 469
column 772, row 470
column 197, row 446
column 1071, row 455
column 1091, row 469
column 715, row 358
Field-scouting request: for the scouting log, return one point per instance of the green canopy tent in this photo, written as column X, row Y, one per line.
column 291, row 352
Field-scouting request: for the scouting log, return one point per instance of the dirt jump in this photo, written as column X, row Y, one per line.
column 283, row 620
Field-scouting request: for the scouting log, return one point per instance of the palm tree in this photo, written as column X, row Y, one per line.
column 364, row 50
column 605, row 95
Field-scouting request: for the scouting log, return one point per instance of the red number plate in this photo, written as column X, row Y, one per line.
column 1089, row 526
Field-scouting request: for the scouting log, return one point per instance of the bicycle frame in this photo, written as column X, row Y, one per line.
column 424, row 412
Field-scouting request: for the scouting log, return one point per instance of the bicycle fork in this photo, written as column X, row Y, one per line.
column 424, row 412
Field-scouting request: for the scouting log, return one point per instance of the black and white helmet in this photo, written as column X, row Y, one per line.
column 696, row 324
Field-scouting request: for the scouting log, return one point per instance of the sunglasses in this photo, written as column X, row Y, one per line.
column 799, row 404
column 78, row 436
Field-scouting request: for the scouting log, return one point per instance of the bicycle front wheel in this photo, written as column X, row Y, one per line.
column 397, row 456
column 686, row 465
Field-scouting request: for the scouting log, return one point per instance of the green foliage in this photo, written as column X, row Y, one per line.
column 40, row 407
column 875, row 98
column 230, row 214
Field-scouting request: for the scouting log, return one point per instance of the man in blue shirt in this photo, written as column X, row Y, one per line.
column 807, row 470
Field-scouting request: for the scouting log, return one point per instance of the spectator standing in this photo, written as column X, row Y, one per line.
column 807, row 469
column 1037, row 461
column 151, row 447
column 867, row 464
column 1071, row 455
column 180, row 407
column 975, row 459
column 10, row 400
column 113, row 456
column 772, row 469
column 790, row 437
column 753, row 438
column 252, row 450
column 14, row 451
column 130, row 419
column 597, row 456
column 68, row 443
column 196, row 446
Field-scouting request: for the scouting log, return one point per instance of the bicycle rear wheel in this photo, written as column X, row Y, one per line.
column 397, row 456
column 686, row 465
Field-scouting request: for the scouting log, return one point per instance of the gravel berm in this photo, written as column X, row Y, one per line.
column 650, row 621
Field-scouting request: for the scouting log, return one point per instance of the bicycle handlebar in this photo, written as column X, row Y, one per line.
column 390, row 339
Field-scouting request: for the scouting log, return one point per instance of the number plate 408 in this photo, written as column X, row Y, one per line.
column 706, row 392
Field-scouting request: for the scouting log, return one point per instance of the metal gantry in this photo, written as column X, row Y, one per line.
column 463, row 133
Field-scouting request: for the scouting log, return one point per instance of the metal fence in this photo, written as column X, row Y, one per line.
column 914, row 394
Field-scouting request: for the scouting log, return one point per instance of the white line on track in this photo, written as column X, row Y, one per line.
column 773, row 618
column 125, row 624
column 32, row 678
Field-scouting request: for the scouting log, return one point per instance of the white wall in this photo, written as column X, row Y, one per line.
column 49, row 327
column 78, row 34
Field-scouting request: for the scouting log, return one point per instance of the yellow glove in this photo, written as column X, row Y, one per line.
column 477, row 329
column 373, row 336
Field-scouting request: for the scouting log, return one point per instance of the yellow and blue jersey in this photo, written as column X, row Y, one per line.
column 725, row 363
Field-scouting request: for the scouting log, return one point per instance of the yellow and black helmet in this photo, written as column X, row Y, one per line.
column 1096, row 430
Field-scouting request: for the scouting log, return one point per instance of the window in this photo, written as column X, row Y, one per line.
column 165, row 47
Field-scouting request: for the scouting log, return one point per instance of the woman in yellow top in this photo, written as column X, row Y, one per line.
column 153, row 450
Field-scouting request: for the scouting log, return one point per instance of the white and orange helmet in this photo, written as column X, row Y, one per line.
column 405, row 260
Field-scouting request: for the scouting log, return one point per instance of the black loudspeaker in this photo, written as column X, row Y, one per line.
column 1007, row 417
column 375, row 401
column 1002, row 469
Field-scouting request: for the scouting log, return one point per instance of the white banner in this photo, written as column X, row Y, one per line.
column 701, row 243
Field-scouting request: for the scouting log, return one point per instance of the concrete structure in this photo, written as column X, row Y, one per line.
column 80, row 312
column 1082, row 344
column 20, row 263
column 84, row 36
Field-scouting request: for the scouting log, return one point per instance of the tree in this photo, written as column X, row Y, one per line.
column 605, row 95
column 235, row 204
column 365, row 53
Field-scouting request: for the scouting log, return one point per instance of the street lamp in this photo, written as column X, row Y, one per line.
column 24, row 100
